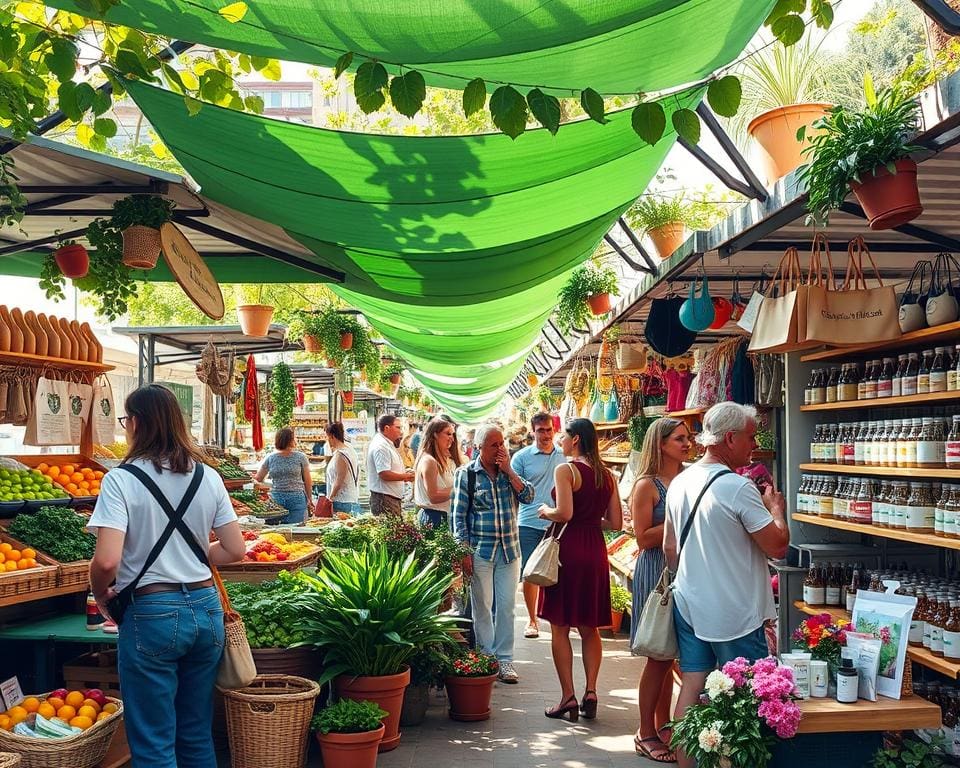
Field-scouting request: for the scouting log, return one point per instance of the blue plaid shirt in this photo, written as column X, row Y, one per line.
column 493, row 519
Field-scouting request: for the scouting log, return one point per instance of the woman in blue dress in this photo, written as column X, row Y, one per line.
column 665, row 447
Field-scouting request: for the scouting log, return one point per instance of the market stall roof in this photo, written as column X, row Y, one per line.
column 189, row 341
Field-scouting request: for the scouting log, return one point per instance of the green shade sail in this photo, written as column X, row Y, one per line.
column 564, row 46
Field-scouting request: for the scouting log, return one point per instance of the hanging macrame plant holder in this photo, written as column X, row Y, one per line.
column 216, row 371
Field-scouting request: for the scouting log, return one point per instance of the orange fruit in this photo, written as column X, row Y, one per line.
column 90, row 703
column 28, row 553
column 17, row 714
column 75, row 699
column 5, row 723
column 10, row 565
column 72, row 487
column 31, row 704
column 5, row 547
column 103, row 716
column 46, row 710
column 66, row 712
column 84, row 485
column 53, row 472
column 43, row 466
column 14, row 555
column 110, row 707
column 3, row 559
column 98, row 474
column 23, row 565
column 88, row 712
column 56, row 703
column 81, row 722
column 66, row 469
column 76, row 477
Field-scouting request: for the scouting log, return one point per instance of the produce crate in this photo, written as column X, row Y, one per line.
column 235, row 485
column 254, row 573
column 41, row 578
column 97, row 669
column 77, row 460
column 73, row 574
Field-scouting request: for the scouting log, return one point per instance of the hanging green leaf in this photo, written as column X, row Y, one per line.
column 782, row 8
column 106, row 127
column 649, row 121
column 474, row 96
column 193, row 105
column 84, row 134
column 822, row 12
column 724, row 95
column 368, row 86
column 545, row 108
column 234, row 12
column 343, row 64
column 173, row 78
column 508, row 109
column 271, row 70
column 61, row 60
column 592, row 103
column 407, row 93
column 67, row 100
column 85, row 96
column 686, row 124
column 101, row 102
column 788, row 29
column 253, row 103
column 129, row 63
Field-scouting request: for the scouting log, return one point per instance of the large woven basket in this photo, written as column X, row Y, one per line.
column 85, row 750
column 268, row 722
column 9, row 760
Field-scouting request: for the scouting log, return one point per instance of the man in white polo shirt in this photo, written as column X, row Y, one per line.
column 385, row 471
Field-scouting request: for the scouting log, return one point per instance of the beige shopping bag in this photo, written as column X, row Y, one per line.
column 776, row 327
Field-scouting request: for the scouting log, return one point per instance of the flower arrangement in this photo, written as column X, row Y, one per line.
column 472, row 663
column 822, row 638
column 745, row 709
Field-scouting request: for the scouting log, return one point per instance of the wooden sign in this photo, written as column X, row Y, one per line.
column 191, row 272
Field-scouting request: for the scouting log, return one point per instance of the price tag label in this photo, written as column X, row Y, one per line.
column 10, row 693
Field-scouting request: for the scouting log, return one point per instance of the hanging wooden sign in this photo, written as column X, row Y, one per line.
column 191, row 272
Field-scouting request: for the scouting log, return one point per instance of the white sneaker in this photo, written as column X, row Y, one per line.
column 508, row 674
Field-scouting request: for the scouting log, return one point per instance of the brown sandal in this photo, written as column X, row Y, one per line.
column 662, row 755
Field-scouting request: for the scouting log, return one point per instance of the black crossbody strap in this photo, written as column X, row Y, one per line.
column 175, row 516
column 693, row 512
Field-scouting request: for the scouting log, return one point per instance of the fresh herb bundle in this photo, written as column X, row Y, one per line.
column 56, row 531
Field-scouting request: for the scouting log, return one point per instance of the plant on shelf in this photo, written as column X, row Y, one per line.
column 363, row 356
column 912, row 753
column 138, row 218
column 349, row 733
column 586, row 292
column 867, row 151
column 283, row 395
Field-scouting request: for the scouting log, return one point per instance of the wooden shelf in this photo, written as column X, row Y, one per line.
column 615, row 459
column 830, row 716
column 939, row 333
column 762, row 455
column 617, row 425
column 886, row 402
column 686, row 413
column 847, row 469
column 875, row 530
column 42, row 595
column 41, row 361
column 919, row 654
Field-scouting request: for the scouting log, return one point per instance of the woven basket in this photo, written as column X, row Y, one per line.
column 268, row 723
column 141, row 247
column 75, row 574
column 85, row 750
column 9, row 760
column 630, row 356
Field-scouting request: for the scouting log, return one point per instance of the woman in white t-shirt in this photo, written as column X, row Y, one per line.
column 433, row 480
column 171, row 632
column 343, row 472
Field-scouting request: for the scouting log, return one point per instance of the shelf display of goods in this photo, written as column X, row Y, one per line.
column 273, row 547
column 20, row 487
column 234, row 476
column 61, row 535
column 80, row 479
column 253, row 503
column 29, row 333
column 268, row 555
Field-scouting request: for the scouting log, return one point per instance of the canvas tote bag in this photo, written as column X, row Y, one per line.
column 775, row 329
column 103, row 413
column 49, row 417
column 237, row 667
column 854, row 314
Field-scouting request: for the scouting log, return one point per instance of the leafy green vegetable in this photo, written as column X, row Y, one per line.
column 56, row 531
column 269, row 611
column 348, row 716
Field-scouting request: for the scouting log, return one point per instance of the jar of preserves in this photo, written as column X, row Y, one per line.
column 920, row 509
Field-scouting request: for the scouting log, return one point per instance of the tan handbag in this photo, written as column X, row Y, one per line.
column 237, row 667
column 543, row 566
column 775, row 329
column 853, row 314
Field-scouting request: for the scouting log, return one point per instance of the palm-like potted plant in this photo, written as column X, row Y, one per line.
column 586, row 292
column 664, row 220
column 254, row 316
column 372, row 614
column 139, row 218
column 349, row 733
column 867, row 151
column 619, row 603
column 469, row 681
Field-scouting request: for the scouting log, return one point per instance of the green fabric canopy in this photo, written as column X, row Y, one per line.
column 613, row 46
column 454, row 247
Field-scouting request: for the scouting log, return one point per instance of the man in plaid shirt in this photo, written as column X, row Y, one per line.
column 488, row 524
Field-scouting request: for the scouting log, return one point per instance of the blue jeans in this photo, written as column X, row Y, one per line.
column 698, row 655
column 435, row 518
column 295, row 502
column 529, row 538
column 347, row 507
column 494, row 581
column 168, row 653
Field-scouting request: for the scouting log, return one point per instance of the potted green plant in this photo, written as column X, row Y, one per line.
column 393, row 371
column 108, row 278
column 349, row 733
column 587, row 291
column 283, row 395
column 619, row 603
column 664, row 220
column 469, row 679
column 139, row 218
column 305, row 327
column 369, row 618
column 71, row 259
column 912, row 753
column 426, row 672
column 867, row 151
column 545, row 397
column 253, row 315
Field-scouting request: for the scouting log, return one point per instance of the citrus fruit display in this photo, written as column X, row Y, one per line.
column 73, row 478
column 69, row 711
column 28, row 485
column 14, row 559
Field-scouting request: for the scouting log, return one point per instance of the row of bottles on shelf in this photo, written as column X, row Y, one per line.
column 918, row 507
column 929, row 442
column 836, row 584
column 910, row 373
column 947, row 697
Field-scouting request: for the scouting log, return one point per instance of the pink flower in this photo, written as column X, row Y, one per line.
column 764, row 666
column 782, row 716
column 737, row 670
column 774, row 685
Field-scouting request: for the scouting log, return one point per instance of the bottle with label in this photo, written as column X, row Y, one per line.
column 954, row 373
column 952, row 446
column 907, row 445
column 923, row 373
column 95, row 619
column 875, row 448
column 951, row 514
column 828, row 451
column 939, row 621
column 881, row 505
column 951, row 632
column 814, row 592
column 848, row 383
column 930, row 444
column 832, row 589
column 899, row 372
column 808, row 389
column 852, row 588
column 915, row 638
column 819, row 394
column 826, row 495
column 938, row 370
column 898, row 504
column 848, row 682
column 871, row 376
column 815, row 444
column 862, row 382
column 838, row 444
column 880, row 441
column 940, row 513
column 921, row 509
column 893, row 430
column 859, row 444
column 909, row 380
column 833, row 384
column 840, row 501
column 801, row 494
column 847, row 455
column 885, row 382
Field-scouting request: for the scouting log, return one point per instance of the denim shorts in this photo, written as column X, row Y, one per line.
column 435, row 518
column 529, row 538
column 698, row 655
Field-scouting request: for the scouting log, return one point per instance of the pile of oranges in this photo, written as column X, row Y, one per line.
column 80, row 709
column 13, row 559
column 78, row 481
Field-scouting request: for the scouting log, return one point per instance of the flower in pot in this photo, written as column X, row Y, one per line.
column 369, row 618
column 664, row 220
column 255, row 317
column 469, row 681
column 619, row 603
column 305, row 327
column 586, row 292
column 867, row 151
column 139, row 218
column 349, row 733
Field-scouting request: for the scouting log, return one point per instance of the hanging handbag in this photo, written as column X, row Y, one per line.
column 912, row 316
column 697, row 312
column 941, row 307
column 611, row 411
column 543, row 565
column 237, row 667
column 737, row 300
column 656, row 635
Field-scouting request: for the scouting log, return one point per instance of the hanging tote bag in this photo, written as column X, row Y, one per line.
column 775, row 329
column 611, row 411
column 49, row 415
column 656, row 635
column 912, row 315
column 543, row 566
column 237, row 667
column 697, row 312
column 941, row 306
column 102, row 412
column 854, row 314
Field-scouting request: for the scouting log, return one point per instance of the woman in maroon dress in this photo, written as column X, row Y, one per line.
column 587, row 501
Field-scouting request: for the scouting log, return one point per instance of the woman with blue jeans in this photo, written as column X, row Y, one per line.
column 343, row 472
column 171, row 633
column 289, row 471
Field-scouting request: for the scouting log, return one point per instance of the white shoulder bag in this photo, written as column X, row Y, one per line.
column 543, row 567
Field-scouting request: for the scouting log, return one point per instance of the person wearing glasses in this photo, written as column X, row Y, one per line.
column 433, row 484
column 386, row 472
column 535, row 463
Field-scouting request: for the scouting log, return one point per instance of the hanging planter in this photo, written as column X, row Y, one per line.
column 532, row 380
column 312, row 344
column 139, row 218
column 72, row 259
column 346, row 341
column 255, row 319
column 667, row 238
column 393, row 371
column 599, row 304
column 889, row 199
column 775, row 132
column 141, row 247
column 587, row 291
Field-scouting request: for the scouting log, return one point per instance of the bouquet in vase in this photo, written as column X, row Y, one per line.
column 822, row 637
column 745, row 709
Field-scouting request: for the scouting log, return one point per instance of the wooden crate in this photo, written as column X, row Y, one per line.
column 255, row 573
column 72, row 574
column 41, row 578
column 83, row 462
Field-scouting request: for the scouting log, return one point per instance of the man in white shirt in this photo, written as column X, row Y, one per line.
column 722, row 592
column 385, row 471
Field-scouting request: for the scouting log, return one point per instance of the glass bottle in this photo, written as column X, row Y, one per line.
column 915, row 638
column 929, row 444
column 819, row 394
column 871, row 376
column 833, row 384
column 828, row 450
column 921, row 509
column 852, row 588
column 838, row 444
column 923, row 372
column 907, row 445
column 848, row 455
column 848, row 383
column 814, row 591
column 827, row 497
column 862, row 505
column 859, row 444
column 815, row 444
column 881, row 505
column 951, row 632
column 885, row 382
column 940, row 512
column 898, row 507
column 898, row 374
column 956, row 369
column 909, row 379
column 939, row 620
column 832, row 588
column 952, row 446
column 938, row 370
column 951, row 514
column 862, row 380
column 840, row 500
column 875, row 447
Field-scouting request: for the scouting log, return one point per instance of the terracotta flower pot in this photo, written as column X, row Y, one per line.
column 599, row 304
column 347, row 397
column 331, row 363
column 668, row 238
column 73, row 261
column 395, row 378
column 777, row 151
column 255, row 319
column 311, row 344
column 346, row 340
column 141, row 247
column 616, row 619
column 350, row 750
column 469, row 697
column 532, row 379
column 385, row 691
column 890, row 199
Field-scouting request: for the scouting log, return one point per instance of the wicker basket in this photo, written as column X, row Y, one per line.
column 32, row 580
column 268, row 722
column 84, row 750
column 141, row 247
column 631, row 356
column 75, row 574
column 9, row 760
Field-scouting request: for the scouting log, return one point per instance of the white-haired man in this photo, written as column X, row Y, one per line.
column 484, row 514
column 717, row 536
